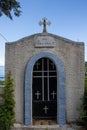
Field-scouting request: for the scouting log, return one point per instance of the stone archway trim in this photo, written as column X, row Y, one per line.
column 61, row 98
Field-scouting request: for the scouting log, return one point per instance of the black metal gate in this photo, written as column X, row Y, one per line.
column 44, row 89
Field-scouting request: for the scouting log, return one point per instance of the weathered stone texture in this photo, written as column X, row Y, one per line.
column 71, row 54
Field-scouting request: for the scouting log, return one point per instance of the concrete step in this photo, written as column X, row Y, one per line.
column 39, row 127
column 45, row 127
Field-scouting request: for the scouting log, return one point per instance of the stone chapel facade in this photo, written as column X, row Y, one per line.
column 48, row 73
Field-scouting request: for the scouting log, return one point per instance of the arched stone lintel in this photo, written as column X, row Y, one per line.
column 61, row 99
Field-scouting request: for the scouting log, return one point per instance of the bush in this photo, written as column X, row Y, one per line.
column 84, row 107
column 7, row 114
column 2, row 82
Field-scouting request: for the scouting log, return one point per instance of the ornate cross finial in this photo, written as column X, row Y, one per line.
column 44, row 23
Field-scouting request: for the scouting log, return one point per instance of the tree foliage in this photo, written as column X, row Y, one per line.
column 84, row 102
column 8, row 7
column 7, row 104
column 84, row 105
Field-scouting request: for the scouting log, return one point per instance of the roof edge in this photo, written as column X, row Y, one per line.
column 48, row 34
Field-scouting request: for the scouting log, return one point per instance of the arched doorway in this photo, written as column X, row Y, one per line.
column 61, row 92
column 44, row 91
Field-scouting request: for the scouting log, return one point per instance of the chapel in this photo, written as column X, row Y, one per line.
column 48, row 73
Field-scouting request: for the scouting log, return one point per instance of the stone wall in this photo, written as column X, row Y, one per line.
column 71, row 54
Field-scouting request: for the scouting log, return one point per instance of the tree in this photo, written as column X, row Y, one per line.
column 84, row 106
column 9, row 6
column 7, row 113
column 84, row 102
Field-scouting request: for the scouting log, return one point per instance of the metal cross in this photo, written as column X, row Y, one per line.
column 44, row 23
column 37, row 94
column 37, row 64
column 53, row 93
column 53, row 65
column 45, row 109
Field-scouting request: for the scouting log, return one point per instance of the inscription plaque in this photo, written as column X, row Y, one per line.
column 45, row 41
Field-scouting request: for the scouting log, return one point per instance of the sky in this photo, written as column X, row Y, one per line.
column 68, row 19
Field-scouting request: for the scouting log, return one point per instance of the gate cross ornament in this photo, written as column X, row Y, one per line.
column 53, row 94
column 44, row 23
column 45, row 109
column 37, row 94
column 37, row 64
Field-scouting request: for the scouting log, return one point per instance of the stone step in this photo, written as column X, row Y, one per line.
column 45, row 127
column 38, row 127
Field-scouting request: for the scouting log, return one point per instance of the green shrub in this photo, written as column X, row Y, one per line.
column 2, row 82
column 7, row 114
column 84, row 107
